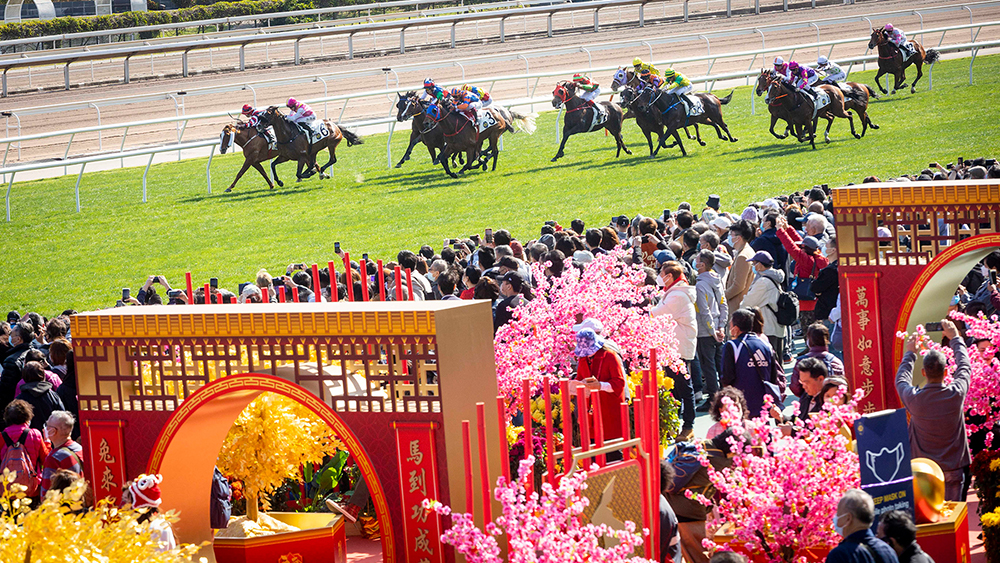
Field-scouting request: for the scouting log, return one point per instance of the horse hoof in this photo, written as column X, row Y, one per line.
column 400, row 165
column 701, row 143
column 453, row 175
column 229, row 190
column 732, row 139
column 856, row 136
column 436, row 161
column 554, row 158
column 281, row 184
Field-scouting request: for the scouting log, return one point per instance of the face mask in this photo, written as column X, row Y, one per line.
column 660, row 282
column 731, row 240
column 836, row 527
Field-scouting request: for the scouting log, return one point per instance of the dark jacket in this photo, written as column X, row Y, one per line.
column 826, row 286
column 222, row 507
column 914, row 554
column 862, row 547
column 43, row 401
column 768, row 241
column 746, row 362
column 503, row 312
column 11, row 374
column 67, row 392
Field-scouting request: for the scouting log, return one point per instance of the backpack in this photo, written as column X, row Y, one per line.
column 18, row 461
column 787, row 312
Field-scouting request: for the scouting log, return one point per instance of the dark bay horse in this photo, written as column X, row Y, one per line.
column 462, row 135
column 412, row 107
column 890, row 60
column 710, row 102
column 646, row 121
column 579, row 117
column 668, row 111
column 255, row 149
column 293, row 144
column 796, row 108
column 857, row 99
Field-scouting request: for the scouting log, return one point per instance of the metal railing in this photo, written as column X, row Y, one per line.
column 530, row 100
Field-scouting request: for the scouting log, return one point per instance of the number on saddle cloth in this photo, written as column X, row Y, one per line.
column 485, row 120
column 600, row 117
column 695, row 107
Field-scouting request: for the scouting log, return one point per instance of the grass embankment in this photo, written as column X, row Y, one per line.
column 55, row 258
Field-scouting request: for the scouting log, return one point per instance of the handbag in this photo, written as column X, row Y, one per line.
column 803, row 286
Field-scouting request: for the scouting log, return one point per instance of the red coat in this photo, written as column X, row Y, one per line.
column 804, row 262
column 606, row 367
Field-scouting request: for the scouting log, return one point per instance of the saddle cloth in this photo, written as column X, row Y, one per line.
column 600, row 117
column 695, row 107
column 485, row 120
column 907, row 50
column 820, row 101
column 317, row 130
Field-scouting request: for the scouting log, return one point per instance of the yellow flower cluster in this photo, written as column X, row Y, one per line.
column 990, row 519
column 270, row 440
column 664, row 383
column 52, row 533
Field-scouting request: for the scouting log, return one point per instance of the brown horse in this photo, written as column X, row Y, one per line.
column 797, row 109
column 462, row 135
column 646, row 121
column 294, row 145
column 712, row 104
column 412, row 107
column 890, row 60
column 580, row 117
column 857, row 99
column 255, row 149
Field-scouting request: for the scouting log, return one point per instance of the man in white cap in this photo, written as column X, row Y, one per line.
column 721, row 226
column 831, row 71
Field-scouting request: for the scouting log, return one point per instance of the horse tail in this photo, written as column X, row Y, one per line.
column 727, row 99
column 871, row 92
column 351, row 137
column 524, row 122
column 932, row 56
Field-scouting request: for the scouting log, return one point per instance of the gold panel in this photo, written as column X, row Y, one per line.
column 921, row 194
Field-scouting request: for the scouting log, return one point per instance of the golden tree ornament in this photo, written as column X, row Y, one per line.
column 269, row 441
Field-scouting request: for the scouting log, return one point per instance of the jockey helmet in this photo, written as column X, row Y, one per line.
column 429, row 83
column 466, row 87
column 579, row 77
column 793, row 66
column 778, row 61
column 637, row 62
column 669, row 72
column 456, row 92
column 821, row 61
column 644, row 72
column 247, row 109
column 292, row 103
column 888, row 27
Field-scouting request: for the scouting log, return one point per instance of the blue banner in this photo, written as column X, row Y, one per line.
column 884, row 453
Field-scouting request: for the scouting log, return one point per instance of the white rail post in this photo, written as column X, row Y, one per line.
column 77, row 189
column 296, row 56
column 350, row 46
column 597, row 21
column 243, row 58
column 388, row 145
column 729, row 8
column 66, row 75
column 642, row 15
column 971, row 35
column 402, row 40
column 208, row 169
column 9, row 184
column 971, row 61
column 125, row 67
column 503, row 38
column 453, row 34
column 756, row 7
column 184, row 64
column 4, row 79
column 685, row 11
column 148, row 164
column 549, row 34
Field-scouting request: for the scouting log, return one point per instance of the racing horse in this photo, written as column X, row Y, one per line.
column 255, row 149
column 796, row 108
column 668, row 111
column 857, row 99
column 462, row 135
column 710, row 102
column 293, row 144
column 644, row 119
column 890, row 60
column 412, row 107
column 582, row 117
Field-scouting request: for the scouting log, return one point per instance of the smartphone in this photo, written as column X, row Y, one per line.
column 336, row 247
column 125, row 293
column 933, row 327
column 213, row 283
column 474, row 238
column 961, row 161
column 489, row 235
column 457, row 247
column 666, row 214
column 452, row 241
column 364, row 256
column 175, row 293
column 993, row 277
column 243, row 286
column 550, row 223
column 932, row 165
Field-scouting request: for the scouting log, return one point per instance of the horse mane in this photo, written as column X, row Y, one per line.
column 410, row 94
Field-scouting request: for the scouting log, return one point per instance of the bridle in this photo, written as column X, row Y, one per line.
column 273, row 112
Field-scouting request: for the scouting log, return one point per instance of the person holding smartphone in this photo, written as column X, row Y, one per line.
column 600, row 369
column 147, row 295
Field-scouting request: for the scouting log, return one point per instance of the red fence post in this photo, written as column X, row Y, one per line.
column 484, row 466
column 190, row 288
column 626, row 435
column 399, row 283
column 409, row 283
column 349, row 276
column 550, row 457
column 317, row 288
column 208, row 294
column 281, row 294
column 504, row 453
column 265, row 296
column 602, row 459
column 333, row 282
column 381, row 282
column 583, row 417
column 567, row 425
column 529, row 444
column 364, row 279
column 470, row 501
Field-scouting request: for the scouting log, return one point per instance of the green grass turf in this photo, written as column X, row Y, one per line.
column 55, row 258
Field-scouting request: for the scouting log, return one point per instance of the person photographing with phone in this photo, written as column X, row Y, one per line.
column 600, row 369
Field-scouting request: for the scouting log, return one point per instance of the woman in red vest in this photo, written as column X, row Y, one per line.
column 600, row 370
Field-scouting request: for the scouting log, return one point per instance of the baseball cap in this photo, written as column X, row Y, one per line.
column 664, row 256
column 513, row 279
column 749, row 214
column 622, row 221
column 811, row 243
column 764, row 257
column 721, row 222
column 805, row 217
column 548, row 240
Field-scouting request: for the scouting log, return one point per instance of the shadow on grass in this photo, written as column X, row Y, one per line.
column 259, row 193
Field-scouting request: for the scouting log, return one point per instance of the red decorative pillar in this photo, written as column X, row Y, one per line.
column 863, row 359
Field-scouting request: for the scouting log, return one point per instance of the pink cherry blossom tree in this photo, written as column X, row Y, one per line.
column 780, row 494
column 543, row 527
column 540, row 339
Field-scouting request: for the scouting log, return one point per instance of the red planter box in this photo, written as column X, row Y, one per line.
column 316, row 545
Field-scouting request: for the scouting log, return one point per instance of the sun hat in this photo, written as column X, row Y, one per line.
column 587, row 343
column 591, row 323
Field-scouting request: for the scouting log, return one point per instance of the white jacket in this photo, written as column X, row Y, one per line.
column 678, row 302
column 763, row 294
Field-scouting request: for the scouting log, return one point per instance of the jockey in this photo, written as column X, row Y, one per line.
column 302, row 115
column 898, row 38
column 640, row 66
column 484, row 96
column 466, row 102
column 781, row 67
column 832, row 73
column 646, row 77
column 677, row 83
column 432, row 91
column 254, row 120
column 588, row 88
column 803, row 78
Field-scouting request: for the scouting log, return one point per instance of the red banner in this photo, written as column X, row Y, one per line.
column 863, row 335
column 418, row 479
column 106, row 457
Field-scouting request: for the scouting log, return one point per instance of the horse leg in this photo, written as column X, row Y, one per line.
column 444, row 163
column 863, row 114
column 725, row 128
column 567, row 133
column 829, row 124
column 697, row 135
column 246, row 166
column 680, row 143
column 811, row 130
column 496, row 151
column 879, row 84
column 649, row 139
column 263, row 173
column 850, row 120
column 414, row 139
column 616, row 132
column 774, row 121
column 920, row 73
column 688, row 133
column 274, row 169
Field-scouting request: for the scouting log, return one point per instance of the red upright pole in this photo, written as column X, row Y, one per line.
column 190, row 288
column 399, row 283
column 281, row 294
column 626, row 435
column 364, row 279
column 381, row 282
column 484, row 466
column 265, row 296
column 349, row 276
column 317, row 289
column 409, row 283
column 502, row 423
column 333, row 282
column 598, row 428
column 529, row 444
column 583, row 418
column 567, row 425
column 470, row 501
column 295, row 294
column 208, row 294
column 550, row 454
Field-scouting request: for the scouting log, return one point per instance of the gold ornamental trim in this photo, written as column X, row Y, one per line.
column 916, row 196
